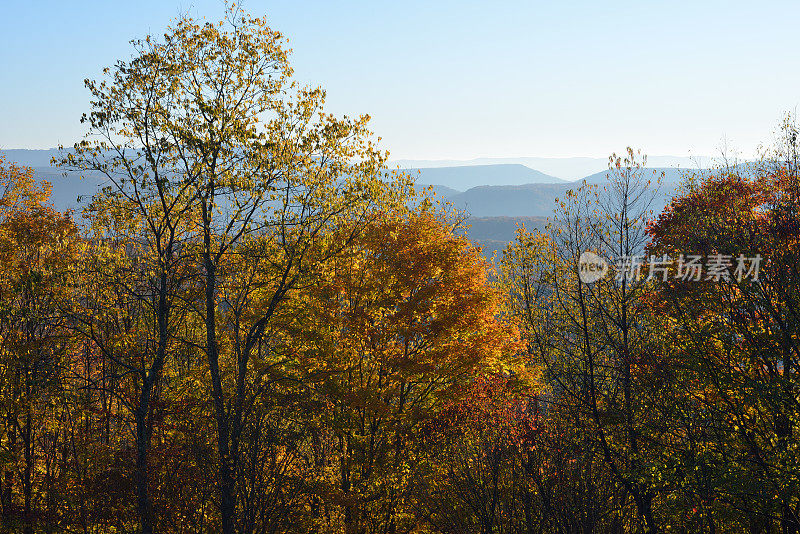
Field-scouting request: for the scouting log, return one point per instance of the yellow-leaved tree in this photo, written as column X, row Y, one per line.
column 37, row 248
column 207, row 143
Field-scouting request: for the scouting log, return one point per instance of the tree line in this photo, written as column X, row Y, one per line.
column 255, row 327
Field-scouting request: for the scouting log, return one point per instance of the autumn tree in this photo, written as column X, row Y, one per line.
column 735, row 364
column 471, row 475
column 590, row 335
column 387, row 337
column 204, row 129
column 37, row 247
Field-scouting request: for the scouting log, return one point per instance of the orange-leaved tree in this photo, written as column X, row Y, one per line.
column 386, row 339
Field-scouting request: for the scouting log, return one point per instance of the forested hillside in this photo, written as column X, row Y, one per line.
column 253, row 326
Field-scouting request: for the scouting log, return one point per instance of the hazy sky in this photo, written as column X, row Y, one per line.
column 447, row 79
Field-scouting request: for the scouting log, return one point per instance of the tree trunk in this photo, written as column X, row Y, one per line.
column 27, row 489
column 7, row 483
column 144, row 506
column 227, row 467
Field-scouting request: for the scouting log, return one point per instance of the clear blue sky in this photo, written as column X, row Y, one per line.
column 457, row 79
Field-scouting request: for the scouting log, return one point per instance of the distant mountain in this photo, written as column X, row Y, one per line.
column 669, row 176
column 503, row 190
column 493, row 234
column 31, row 158
column 518, row 195
column 439, row 190
column 66, row 190
column 569, row 169
column 466, row 177
column 530, row 200
column 509, row 200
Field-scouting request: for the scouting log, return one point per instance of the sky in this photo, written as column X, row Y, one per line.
column 456, row 79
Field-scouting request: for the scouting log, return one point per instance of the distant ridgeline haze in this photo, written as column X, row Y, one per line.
column 497, row 196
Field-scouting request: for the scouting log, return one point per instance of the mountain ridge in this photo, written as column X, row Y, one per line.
column 511, row 190
column 462, row 178
column 494, row 210
column 565, row 168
